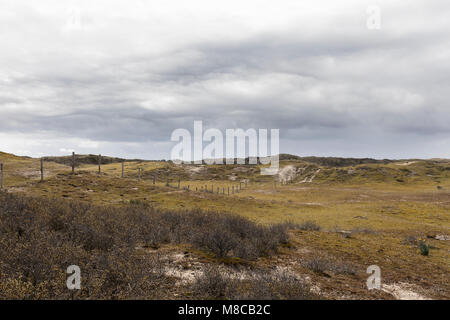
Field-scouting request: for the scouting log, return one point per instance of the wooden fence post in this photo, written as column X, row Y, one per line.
column 73, row 162
column 123, row 168
column 167, row 181
column 188, row 187
column 99, row 163
column 42, row 169
column 245, row 184
column 1, row 176
column 223, row 190
column 154, row 178
column 179, row 181
column 139, row 174
column 228, row 190
column 232, row 190
column 218, row 190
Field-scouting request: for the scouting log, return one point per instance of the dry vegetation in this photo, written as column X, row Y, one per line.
column 39, row 238
column 312, row 237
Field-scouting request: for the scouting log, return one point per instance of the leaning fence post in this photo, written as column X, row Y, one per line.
column 99, row 163
column 42, row 169
column 73, row 162
column 123, row 168
column 1, row 176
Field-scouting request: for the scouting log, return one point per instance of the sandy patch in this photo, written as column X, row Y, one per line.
column 286, row 174
column 311, row 178
column 196, row 170
column 407, row 163
column 402, row 291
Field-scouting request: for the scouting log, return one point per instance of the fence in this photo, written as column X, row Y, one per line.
column 154, row 176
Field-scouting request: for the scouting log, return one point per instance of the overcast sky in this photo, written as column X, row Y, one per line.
column 117, row 77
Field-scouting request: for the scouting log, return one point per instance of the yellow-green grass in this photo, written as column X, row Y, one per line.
column 130, row 168
column 21, row 171
column 383, row 206
column 347, row 207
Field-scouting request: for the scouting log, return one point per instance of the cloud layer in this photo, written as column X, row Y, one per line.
column 117, row 77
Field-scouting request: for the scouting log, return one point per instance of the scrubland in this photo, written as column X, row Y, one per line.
column 308, row 233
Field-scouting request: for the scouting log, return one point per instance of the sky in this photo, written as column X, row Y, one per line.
column 118, row 77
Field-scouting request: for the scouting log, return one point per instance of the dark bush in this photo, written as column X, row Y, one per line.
column 215, row 283
column 218, row 241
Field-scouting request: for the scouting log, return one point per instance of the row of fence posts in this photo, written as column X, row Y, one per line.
column 233, row 189
column 140, row 171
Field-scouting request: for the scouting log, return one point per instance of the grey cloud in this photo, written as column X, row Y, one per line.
column 340, row 86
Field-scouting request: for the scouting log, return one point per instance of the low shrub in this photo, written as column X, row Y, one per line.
column 323, row 266
column 277, row 285
column 40, row 238
column 220, row 283
column 316, row 264
column 215, row 283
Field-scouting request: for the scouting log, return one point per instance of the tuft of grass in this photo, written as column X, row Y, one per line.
column 309, row 226
column 424, row 248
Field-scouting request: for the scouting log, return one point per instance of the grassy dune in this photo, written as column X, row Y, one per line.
column 368, row 213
